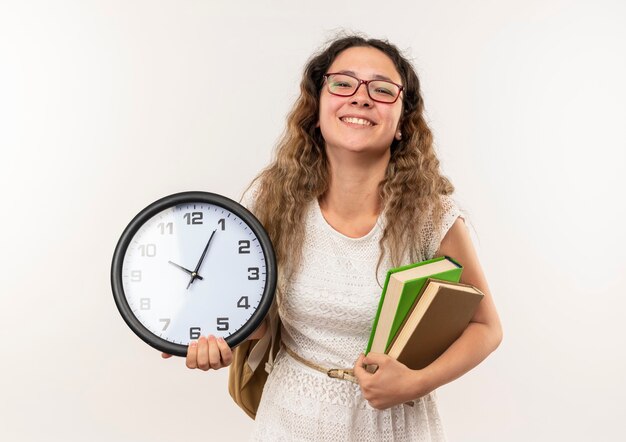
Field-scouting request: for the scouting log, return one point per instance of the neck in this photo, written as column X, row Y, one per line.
column 354, row 186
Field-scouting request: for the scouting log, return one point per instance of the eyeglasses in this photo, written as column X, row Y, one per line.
column 345, row 85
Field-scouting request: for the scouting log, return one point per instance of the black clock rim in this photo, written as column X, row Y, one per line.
column 158, row 206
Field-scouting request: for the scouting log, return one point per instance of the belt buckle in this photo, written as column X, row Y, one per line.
column 336, row 373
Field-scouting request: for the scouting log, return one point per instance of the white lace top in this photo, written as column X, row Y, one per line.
column 326, row 315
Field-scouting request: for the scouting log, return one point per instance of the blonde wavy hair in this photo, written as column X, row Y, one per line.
column 299, row 172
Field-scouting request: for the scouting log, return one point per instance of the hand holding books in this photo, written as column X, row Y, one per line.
column 392, row 384
column 422, row 311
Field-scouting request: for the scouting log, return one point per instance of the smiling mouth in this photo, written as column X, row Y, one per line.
column 359, row 121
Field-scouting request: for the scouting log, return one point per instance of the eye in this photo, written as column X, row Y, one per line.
column 340, row 84
column 384, row 91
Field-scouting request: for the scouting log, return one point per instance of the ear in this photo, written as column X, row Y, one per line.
column 317, row 124
column 398, row 135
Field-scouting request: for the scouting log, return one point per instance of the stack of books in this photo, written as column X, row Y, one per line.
column 423, row 309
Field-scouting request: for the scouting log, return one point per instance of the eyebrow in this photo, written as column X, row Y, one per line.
column 376, row 77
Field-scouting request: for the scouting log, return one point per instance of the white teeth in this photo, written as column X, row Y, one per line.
column 354, row 120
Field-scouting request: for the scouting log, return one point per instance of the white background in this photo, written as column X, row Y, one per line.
column 106, row 106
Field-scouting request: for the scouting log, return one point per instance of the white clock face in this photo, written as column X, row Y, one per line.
column 194, row 269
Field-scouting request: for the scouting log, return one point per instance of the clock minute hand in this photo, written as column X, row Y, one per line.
column 186, row 270
column 195, row 272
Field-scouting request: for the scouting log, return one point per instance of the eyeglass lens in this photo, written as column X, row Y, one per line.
column 379, row 90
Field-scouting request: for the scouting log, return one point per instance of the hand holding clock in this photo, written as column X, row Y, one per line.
column 213, row 353
column 207, row 353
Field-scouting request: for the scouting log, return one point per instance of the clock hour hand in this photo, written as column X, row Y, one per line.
column 195, row 272
column 186, row 270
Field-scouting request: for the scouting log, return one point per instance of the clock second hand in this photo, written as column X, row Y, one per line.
column 195, row 272
column 186, row 270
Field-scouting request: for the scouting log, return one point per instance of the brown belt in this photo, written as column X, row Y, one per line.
column 347, row 374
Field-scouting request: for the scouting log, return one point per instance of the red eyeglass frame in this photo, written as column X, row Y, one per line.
column 365, row 82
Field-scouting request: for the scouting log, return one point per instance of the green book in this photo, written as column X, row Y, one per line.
column 402, row 287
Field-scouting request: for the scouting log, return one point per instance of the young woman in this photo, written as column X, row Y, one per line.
column 355, row 189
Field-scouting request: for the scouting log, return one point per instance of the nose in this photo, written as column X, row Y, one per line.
column 361, row 96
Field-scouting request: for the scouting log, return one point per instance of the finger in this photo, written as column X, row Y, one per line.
column 214, row 353
column 192, row 352
column 358, row 365
column 166, row 355
column 375, row 359
column 203, row 354
column 359, row 369
column 226, row 354
column 372, row 361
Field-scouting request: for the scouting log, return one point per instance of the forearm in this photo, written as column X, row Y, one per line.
column 470, row 349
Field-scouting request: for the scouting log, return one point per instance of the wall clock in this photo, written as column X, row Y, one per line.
column 193, row 264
